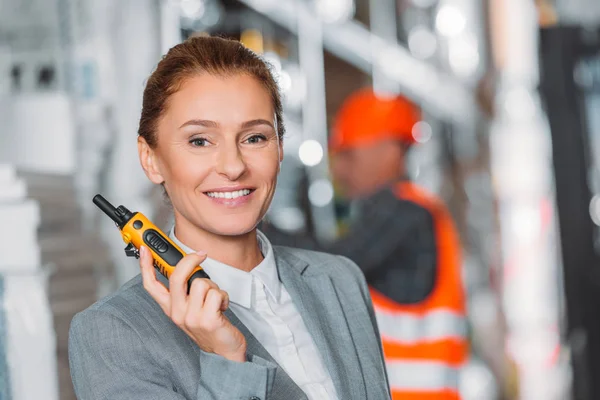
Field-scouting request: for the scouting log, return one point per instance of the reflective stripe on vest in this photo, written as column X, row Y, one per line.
column 422, row 376
column 410, row 328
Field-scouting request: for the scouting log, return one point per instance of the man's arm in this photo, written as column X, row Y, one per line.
column 382, row 227
column 109, row 360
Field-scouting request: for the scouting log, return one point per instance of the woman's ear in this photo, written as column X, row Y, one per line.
column 149, row 162
column 280, row 153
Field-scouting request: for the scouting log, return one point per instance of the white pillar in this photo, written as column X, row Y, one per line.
column 314, row 118
column 26, row 327
column 383, row 24
column 521, row 165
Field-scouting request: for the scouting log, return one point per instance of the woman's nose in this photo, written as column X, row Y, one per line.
column 231, row 162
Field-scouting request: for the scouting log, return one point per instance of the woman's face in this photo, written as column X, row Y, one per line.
column 217, row 153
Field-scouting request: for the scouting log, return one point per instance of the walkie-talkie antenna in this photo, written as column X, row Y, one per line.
column 108, row 209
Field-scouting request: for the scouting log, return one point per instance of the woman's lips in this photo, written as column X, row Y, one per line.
column 233, row 198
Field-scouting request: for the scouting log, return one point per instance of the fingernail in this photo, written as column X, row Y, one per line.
column 142, row 250
column 201, row 253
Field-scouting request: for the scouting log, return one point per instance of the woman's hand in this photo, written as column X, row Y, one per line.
column 199, row 314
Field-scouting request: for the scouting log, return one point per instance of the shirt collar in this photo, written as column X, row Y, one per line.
column 238, row 283
column 266, row 271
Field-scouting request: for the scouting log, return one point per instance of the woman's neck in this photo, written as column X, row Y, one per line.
column 241, row 252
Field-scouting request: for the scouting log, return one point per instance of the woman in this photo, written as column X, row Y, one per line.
column 272, row 323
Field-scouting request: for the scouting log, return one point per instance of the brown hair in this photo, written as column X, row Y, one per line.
column 212, row 55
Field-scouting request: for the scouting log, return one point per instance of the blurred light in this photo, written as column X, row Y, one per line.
column 463, row 56
column 290, row 219
column 519, row 104
column 192, row 8
column 253, row 39
column 595, row 209
column 320, row 192
column 332, row 11
column 422, row 132
column 310, row 153
column 284, row 81
column 296, row 95
column 450, row 21
column 422, row 42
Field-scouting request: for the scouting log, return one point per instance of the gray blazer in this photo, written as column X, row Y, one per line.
column 125, row 347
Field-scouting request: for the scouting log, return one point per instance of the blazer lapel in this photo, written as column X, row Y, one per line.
column 316, row 299
column 283, row 386
column 253, row 345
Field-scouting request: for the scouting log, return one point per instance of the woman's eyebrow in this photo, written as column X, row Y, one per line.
column 200, row 122
column 256, row 122
column 212, row 124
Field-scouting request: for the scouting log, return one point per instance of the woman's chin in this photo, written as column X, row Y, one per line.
column 233, row 227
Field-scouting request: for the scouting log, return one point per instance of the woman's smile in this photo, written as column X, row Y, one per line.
column 231, row 197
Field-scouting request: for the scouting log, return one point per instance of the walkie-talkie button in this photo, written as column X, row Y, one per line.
column 162, row 247
column 156, row 242
column 137, row 224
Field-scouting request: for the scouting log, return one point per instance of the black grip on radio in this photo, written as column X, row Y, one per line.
column 162, row 247
column 198, row 274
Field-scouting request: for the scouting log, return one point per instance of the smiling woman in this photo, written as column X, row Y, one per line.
column 273, row 322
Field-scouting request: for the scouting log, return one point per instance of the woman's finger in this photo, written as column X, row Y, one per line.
column 225, row 303
column 214, row 300
column 198, row 293
column 178, row 285
column 195, row 303
column 156, row 289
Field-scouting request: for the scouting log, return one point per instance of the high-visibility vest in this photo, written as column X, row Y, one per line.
column 425, row 344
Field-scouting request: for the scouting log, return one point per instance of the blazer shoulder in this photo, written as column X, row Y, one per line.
column 130, row 304
column 336, row 266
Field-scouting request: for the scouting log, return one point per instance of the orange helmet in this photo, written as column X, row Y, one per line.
column 366, row 118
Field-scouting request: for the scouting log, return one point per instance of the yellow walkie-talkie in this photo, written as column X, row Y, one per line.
column 137, row 230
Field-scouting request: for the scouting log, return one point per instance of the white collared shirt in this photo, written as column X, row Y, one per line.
column 261, row 302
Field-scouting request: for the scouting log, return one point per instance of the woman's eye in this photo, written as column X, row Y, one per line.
column 256, row 139
column 199, row 142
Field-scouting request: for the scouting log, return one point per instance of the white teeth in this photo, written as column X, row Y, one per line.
column 229, row 195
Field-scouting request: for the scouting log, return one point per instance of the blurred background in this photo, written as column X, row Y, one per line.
column 509, row 139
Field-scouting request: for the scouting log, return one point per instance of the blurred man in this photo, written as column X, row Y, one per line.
column 405, row 242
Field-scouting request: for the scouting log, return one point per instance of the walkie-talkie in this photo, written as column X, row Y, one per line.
column 137, row 230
